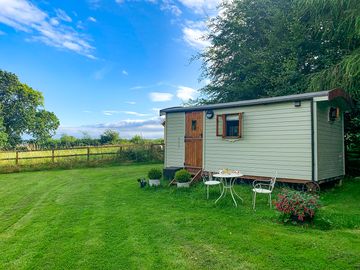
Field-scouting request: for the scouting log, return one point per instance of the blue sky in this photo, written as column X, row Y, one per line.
column 106, row 63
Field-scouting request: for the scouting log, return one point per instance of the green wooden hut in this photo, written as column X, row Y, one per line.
column 299, row 136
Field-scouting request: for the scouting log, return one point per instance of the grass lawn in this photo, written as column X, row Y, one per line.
column 98, row 218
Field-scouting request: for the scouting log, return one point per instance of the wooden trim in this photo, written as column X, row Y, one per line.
column 223, row 116
column 240, row 124
column 217, row 125
column 224, row 125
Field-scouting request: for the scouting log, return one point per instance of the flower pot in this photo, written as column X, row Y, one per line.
column 154, row 182
column 183, row 185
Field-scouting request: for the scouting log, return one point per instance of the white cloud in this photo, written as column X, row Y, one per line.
column 113, row 112
column 110, row 112
column 135, row 113
column 168, row 5
column 130, row 102
column 201, row 6
column 160, row 96
column 185, row 93
column 124, row 72
column 86, row 111
column 62, row 15
column 25, row 16
column 195, row 37
column 92, row 19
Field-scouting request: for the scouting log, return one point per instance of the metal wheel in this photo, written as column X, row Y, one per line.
column 312, row 187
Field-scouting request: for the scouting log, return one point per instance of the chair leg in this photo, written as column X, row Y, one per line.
column 220, row 188
column 254, row 200
column 270, row 200
column 207, row 193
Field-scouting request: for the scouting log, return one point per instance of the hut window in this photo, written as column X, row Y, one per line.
column 229, row 125
column 193, row 125
column 334, row 113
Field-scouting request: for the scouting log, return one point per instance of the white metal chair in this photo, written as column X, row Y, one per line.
column 209, row 181
column 263, row 188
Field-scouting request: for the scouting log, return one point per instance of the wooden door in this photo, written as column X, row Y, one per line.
column 193, row 140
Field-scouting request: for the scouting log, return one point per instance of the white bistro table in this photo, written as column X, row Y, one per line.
column 228, row 181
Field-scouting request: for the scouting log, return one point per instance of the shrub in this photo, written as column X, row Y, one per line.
column 182, row 176
column 297, row 206
column 154, row 173
column 137, row 154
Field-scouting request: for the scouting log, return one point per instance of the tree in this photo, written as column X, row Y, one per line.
column 3, row 134
column 67, row 140
column 109, row 137
column 137, row 139
column 274, row 47
column 22, row 111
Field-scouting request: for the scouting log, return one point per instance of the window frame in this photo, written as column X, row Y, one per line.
column 223, row 119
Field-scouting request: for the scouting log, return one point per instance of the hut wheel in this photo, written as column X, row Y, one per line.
column 312, row 187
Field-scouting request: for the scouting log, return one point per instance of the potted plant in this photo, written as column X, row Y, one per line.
column 154, row 177
column 182, row 178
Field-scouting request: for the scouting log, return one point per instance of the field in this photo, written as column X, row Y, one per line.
column 99, row 218
column 41, row 159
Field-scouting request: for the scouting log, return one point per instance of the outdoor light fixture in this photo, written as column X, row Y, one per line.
column 209, row 114
column 297, row 103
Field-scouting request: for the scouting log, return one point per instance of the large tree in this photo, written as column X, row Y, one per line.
column 22, row 111
column 275, row 47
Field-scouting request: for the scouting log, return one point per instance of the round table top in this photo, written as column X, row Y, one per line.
column 228, row 175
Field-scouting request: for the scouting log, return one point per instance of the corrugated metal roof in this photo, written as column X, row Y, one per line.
column 260, row 101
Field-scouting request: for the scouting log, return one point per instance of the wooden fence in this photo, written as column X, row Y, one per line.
column 86, row 152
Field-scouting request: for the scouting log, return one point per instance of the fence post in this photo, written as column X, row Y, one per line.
column 53, row 156
column 88, row 154
column 17, row 158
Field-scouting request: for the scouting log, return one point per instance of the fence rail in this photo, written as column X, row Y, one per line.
column 89, row 151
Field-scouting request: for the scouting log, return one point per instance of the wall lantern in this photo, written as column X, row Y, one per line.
column 297, row 103
column 209, row 114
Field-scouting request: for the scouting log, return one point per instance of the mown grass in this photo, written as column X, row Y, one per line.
column 99, row 218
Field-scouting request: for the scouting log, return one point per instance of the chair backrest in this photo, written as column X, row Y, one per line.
column 273, row 181
column 206, row 176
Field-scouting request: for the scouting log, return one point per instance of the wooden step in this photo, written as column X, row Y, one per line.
column 196, row 176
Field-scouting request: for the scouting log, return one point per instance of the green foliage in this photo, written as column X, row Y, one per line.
column 137, row 139
column 21, row 111
column 3, row 134
column 182, row 176
column 277, row 47
column 154, row 173
column 67, row 140
column 109, row 137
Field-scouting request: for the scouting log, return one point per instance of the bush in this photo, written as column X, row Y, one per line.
column 182, row 176
column 297, row 206
column 135, row 154
column 154, row 173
